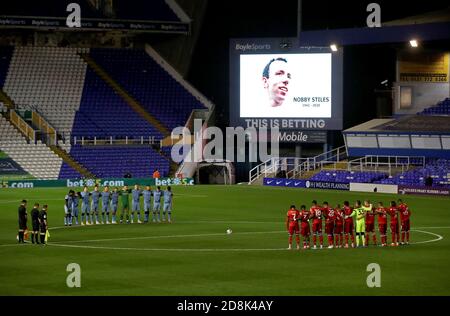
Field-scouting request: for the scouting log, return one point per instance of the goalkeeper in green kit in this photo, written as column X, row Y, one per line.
column 360, row 213
column 124, row 194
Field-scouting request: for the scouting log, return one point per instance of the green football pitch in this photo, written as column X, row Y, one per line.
column 195, row 256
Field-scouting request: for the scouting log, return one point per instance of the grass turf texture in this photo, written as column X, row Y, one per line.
column 202, row 214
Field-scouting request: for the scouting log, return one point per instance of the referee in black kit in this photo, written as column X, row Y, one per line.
column 43, row 223
column 35, row 223
column 22, row 220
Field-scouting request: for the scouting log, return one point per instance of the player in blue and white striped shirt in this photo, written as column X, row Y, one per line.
column 147, row 194
column 106, row 195
column 114, row 205
column 85, row 206
column 135, row 204
column 157, row 203
column 167, row 204
column 95, row 204
column 68, row 208
column 75, row 202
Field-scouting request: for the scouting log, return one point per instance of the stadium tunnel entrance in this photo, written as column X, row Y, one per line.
column 215, row 173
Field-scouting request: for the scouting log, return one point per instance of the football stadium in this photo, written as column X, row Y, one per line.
column 189, row 148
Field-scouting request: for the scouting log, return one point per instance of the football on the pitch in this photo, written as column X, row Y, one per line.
column 229, row 231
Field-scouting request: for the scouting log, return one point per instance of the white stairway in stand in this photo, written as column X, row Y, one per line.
column 36, row 159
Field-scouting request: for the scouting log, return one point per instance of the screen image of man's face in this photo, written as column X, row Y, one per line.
column 276, row 81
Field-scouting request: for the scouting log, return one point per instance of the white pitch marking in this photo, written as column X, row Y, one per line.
column 178, row 222
column 439, row 237
column 167, row 249
column 18, row 201
column 430, row 227
column 169, row 236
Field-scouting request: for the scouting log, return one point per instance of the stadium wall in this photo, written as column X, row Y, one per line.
column 427, row 74
column 360, row 152
column 374, row 187
column 424, row 95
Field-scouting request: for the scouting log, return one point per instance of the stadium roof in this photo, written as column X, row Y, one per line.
column 409, row 124
column 425, row 27
column 154, row 10
column 429, row 17
column 161, row 16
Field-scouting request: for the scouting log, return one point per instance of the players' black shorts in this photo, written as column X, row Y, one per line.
column 35, row 226
column 22, row 224
column 43, row 228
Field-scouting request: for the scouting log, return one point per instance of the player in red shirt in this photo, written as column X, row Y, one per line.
column 330, row 217
column 370, row 224
column 348, row 224
column 292, row 218
column 401, row 205
column 393, row 212
column 339, row 227
column 304, row 229
column 405, row 214
column 382, row 222
column 316, row 215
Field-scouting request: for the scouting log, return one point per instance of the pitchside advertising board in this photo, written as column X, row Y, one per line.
column 292, row 183
column 73, row 183
column 276, row 83
column 356, row 187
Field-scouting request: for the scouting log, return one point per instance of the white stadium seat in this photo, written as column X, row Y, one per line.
column 38, row 160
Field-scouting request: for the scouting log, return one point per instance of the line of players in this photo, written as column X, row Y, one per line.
column 90, row 205
column 339, row 222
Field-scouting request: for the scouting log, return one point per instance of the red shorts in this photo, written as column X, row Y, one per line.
column 329, row 228
column 338, row 229
column 348, row 227
column 370, row 227
column 293, row 229
column 382, row 228
column 405, row 226
column 394, row 228
column 305, row 231
column 317, row 227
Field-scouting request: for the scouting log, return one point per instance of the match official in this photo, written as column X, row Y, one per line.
column 43, row 223
column 35, row 223
column 22, row 220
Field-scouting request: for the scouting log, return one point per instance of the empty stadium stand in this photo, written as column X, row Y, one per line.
column 156, row 90
column 115, row 161
column 103, row 113
column 49, row 80
column 5, row 58
column 37, row 159
column 414, row 135
column 437, row 169
column 63, row 87
column 441, row 108
column 342, row 176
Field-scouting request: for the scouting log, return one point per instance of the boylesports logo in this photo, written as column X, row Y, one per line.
column 252, row 47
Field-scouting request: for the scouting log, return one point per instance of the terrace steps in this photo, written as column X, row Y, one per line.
column 72, row 162
column 132, row 102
